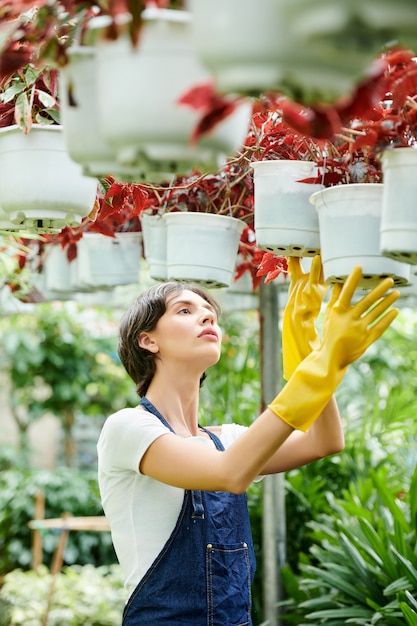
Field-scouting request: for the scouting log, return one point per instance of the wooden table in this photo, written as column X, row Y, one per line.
column 64, row 525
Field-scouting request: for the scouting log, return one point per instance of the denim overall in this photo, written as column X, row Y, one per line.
column 203, row 575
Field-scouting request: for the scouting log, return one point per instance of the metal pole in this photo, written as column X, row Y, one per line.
column 274, row 526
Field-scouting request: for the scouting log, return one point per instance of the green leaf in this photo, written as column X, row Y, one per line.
column 409, row 614
column 31, row 75
column 14, row 90
column 376, row 548
column 54, row 113
column 337, row 582
column 365, row 571
column 23, row 113
column 413, row 500
column 412, row 601
column 46, row 99
column 390, row 503
column 408, row 567
column 397, row 586
column 343, row 613
column 41, row 119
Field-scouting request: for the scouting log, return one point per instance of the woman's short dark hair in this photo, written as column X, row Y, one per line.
column 142, row 316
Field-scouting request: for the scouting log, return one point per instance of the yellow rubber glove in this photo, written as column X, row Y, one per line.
column 348, row 330
column 305, row 296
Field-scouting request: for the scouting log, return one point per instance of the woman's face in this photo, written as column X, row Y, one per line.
column 187, row 332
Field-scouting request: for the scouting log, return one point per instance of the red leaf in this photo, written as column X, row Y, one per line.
column 199, row 97
column 117, row 194
column 404, row 87
column 13, row 59
column 320, row 122
column 218, row 113
column 71, row 252
column 271, row 266
column 106, row 210
column 215, row 107
column 140, row 196
column 102, row 227
column 368, row 140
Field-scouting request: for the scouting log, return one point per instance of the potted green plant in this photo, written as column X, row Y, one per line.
column 41, row 188
column 42, row 32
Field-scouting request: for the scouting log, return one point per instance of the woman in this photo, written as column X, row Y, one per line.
column 173, row 492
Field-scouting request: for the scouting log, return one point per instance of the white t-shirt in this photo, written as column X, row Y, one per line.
column 142, row 512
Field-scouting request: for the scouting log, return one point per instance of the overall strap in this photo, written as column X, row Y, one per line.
column 152, row 409
column 213, row 437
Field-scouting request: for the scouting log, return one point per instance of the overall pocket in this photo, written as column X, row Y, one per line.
column 228, row 580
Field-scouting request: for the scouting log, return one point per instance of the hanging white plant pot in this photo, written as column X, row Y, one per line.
column 332, row 45
column 408, row 294
column 230, row 301
column 239, row 296
column 6, row 224
column 350, row 220
column 104, row 262
column 57, row 281
column 139, row 89
column 119, row 297
column 239, row 42
column 154, row 244
column 202, row 247
column 285, row 221
column 79, row 102
column 399, row 205
column 320, row 48
column 40, row 185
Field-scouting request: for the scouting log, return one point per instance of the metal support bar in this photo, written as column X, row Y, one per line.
column 274, row 525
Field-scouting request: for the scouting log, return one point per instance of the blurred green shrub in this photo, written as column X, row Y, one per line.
column 66, row 490
column 82, row 596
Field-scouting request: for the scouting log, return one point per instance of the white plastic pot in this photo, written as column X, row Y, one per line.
column 58, row 279
column 139, row 91
column 399, row 205
column 320, row 48
column 154, row 244
column 40, row 185
column 350, row 219
column 79, row 101
column 202, row 247
column 104, row 262
column 285, row 221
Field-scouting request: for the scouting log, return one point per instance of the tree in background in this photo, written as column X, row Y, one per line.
column 64, row 364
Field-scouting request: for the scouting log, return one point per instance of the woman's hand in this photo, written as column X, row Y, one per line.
column 305, row 296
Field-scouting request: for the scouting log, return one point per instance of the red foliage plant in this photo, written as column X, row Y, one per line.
column 344, row 139
column 228, row 192
column 116, row 209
